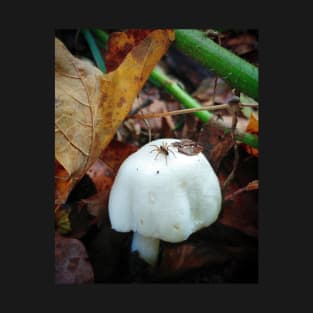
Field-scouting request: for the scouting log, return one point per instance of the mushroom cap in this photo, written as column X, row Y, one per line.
column 164, row 196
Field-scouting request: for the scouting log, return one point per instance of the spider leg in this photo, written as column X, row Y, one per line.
column 172, row 153
column 155, row 149
column 156, row 155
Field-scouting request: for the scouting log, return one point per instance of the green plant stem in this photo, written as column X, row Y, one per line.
column 157, row 77
column 94, row 50
column 239, row 73
column 103, row 36
column 160, row 79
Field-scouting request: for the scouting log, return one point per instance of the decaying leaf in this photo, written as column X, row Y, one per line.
column 154, row 124
column 216, row 144
column 88, row 201
column 89, row 106
column 62, row 221
column 205, row 91
column 121, row 43
column 188, row 147
column 102, row 177
column 71, row 262
column 240, row 44
column 182, row 257
column 241, row 210
column 116, row 153
column 102, row 174
column 97, row 172
column 62, row 184
column 208, row 248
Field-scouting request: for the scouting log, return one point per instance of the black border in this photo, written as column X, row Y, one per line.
column 27, row 142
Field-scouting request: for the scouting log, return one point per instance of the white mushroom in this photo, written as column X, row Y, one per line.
column 160, row 193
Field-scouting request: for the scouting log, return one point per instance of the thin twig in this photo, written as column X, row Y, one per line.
column 183, row 111
column 236, row 152
column 214, row 88
column 254, row 185
column 251, row 105
column 235, row 165
column 148, row 126
column 186, row 111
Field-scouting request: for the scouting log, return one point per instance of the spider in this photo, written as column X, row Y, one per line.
column 162, row 149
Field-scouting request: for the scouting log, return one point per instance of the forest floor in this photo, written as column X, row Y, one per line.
column 226, row 251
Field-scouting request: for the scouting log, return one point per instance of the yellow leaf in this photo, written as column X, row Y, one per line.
column 90, row 106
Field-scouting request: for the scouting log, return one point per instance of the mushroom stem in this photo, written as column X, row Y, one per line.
column 147, row 247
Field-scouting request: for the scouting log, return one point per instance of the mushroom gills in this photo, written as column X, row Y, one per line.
column 147, row 247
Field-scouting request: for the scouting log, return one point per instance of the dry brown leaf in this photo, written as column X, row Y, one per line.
column 102, row 174
column 90, row 106
column 205, row 91
column 242, row 211
column 62, row 183
column 115, row 153
column 206, row 249
column 121, row 43
column 97, row 172
column 188, row 147
column 182, row 257
column 155, row 124
column 71, row 262
column 241, row 125
column 216, row 144
column 241, row 44
column 62, row 221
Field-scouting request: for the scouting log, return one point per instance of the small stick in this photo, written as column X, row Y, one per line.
column 236, row 152
column 186, row 111
column 214, row 89
column 148, row 126
column 254, row 185
column 177, row 112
